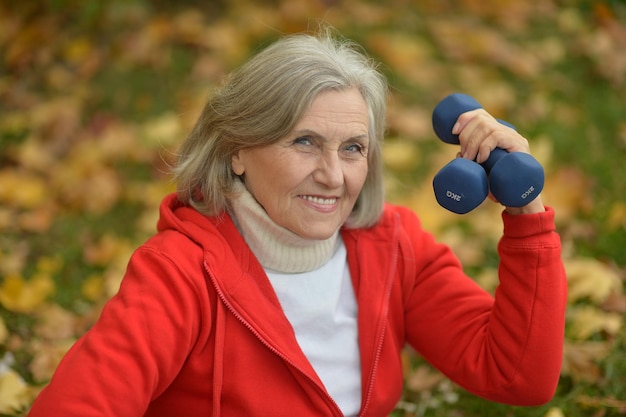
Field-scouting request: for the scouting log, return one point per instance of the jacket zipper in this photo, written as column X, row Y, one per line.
column 379, row 348
column 267, row 344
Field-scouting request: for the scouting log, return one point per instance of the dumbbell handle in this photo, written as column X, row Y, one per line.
column 448, row 111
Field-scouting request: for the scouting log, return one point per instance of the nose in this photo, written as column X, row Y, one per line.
column 329, row 171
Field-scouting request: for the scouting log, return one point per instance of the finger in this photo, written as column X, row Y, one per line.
column 477, row 136
column 462, row 122
column 482, row 134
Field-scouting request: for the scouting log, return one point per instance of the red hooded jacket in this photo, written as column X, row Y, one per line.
column 197, row 330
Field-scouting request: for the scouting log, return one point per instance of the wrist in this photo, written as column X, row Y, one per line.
column 535, row 206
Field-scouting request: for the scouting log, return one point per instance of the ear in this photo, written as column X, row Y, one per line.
column 237, row 164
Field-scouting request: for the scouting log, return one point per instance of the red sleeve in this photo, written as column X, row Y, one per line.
column 133, row 351
column 506, row 349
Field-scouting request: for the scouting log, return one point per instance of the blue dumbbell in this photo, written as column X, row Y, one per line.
column 515, row 178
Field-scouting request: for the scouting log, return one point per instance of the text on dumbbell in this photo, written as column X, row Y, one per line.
column 529, row 191
column 453, row 196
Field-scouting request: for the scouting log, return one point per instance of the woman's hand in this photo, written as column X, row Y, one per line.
column 479, row 134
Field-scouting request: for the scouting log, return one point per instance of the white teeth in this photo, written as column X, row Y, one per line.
column 318, row 200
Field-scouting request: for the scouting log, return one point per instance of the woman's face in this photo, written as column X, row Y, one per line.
column 308, row 181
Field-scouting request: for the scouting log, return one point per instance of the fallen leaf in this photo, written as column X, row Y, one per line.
column 554, row 412
column 617, row 216
column 488, row 279
column 33, row 154
column 409, row 56
column 590, row 278
column 411, row 122
column 400, row 155
column 423, row 379
column 4, row 332
column 46, row 357
column 13, row 259
column 22, row 189
column 469, row 254
column 580, row 359
column 21, row 296
column 54, row 322
column 162, row 131
column 92, row 287
column 102, row 252
column 38, row 220
column 14, row 392
column 596, row 402
column 586, row 321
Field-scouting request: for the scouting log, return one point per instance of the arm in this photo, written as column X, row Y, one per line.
column 506, row 349
column 134, row 350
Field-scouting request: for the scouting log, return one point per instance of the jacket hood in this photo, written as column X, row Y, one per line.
column 179, row 216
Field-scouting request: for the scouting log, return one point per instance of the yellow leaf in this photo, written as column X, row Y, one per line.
column 567, row 191
column 93, row 288
column 4, row 332
column 22, row 296
column 85, row 183
column 469, row 254
column 12, row 261
column 22, row 189
column 588, row 320
column 77, row 49
column 14, row 392
column 119, row 140
column 409, row 56
column 617, row 216
column 164, row 130
column 488, row 279
column 103, row 252
column 33, row 154
column 49, row 264
column 589, row 278
column 554, row 412
column 400, row 155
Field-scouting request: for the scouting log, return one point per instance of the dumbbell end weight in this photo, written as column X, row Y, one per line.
column 525, row 188
column 447, row 111
column 460, row 186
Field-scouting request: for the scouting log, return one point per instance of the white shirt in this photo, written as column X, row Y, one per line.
column 322, row 309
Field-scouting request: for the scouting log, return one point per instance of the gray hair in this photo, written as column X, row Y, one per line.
column 261, row 102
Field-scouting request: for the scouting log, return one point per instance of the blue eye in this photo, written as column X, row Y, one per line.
column 303, row 140
column 356, row 148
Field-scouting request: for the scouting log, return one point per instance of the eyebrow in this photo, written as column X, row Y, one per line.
column 309, row 132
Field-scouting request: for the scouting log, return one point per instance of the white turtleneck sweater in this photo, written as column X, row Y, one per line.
column 312, row 281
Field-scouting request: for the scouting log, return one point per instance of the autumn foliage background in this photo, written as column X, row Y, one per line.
column 96, row 96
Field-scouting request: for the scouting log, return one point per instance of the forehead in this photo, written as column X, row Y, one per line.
column 347, row 108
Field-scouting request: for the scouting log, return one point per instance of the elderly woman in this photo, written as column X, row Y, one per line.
column 280, row 284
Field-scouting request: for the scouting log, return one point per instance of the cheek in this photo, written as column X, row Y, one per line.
column 276, row 182
column 356, row 179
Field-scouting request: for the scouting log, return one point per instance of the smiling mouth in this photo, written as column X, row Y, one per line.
column 319, row 200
